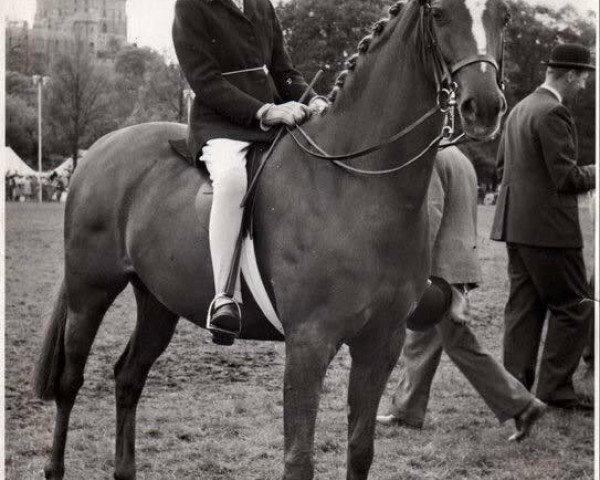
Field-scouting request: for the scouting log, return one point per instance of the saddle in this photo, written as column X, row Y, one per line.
column 244, row 255
column 253, row 158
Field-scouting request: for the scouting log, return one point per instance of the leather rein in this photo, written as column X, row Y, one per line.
column 446, row 103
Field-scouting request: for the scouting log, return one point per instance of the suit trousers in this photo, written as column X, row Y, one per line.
column 225, row 160
column 544, row 279
column 503, row 394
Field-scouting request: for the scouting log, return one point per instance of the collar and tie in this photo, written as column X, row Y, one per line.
column 239, row 4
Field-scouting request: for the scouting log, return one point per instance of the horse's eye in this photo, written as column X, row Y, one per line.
column 437, row 14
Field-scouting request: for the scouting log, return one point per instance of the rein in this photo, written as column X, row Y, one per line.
column 446, row 103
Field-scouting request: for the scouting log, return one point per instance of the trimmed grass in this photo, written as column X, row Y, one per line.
column 216, row 413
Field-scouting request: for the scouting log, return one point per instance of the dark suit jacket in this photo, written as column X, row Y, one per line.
column 537, row 161
column 213, row 37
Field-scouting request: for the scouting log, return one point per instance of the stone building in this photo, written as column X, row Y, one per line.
column 60, row 26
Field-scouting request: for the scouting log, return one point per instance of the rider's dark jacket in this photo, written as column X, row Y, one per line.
column 213, row 38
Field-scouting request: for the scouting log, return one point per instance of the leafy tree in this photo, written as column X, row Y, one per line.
column 22, row 86
column 321, row 34
column 21, row 126
column 149, row 89
column 77, row 102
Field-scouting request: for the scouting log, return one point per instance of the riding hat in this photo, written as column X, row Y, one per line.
column 572, row 56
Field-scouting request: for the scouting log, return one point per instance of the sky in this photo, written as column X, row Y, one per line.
column 149, row 21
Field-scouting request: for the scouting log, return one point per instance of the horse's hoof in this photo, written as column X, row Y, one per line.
column 221, row 338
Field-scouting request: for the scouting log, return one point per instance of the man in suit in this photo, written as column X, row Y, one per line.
column 233, row 56
column 537, row 216
column 452, row 204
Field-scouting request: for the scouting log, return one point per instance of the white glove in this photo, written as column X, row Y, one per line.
column 290, row 113
column 318, row 105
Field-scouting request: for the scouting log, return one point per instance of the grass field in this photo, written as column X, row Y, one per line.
column 216, row 413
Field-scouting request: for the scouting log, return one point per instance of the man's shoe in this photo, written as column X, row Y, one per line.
column 573, row 405
column 525, row 420
column 391, row 420
column 225, row 324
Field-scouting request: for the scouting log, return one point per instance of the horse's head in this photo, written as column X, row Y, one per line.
column 470, row 41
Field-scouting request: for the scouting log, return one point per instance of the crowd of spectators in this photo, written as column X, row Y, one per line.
column 26, row 188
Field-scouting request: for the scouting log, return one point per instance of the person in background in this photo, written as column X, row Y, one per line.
column 233, row 56
column 537, row 216
column 452, row 203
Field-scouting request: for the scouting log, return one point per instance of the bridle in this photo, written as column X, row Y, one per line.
column 443, row 74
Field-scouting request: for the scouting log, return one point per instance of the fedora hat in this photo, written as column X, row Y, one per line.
column 570, row 55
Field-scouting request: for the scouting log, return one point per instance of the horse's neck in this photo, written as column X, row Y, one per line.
column 388, row 91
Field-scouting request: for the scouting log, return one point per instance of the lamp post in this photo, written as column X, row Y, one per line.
column 40, row 81
column 188, row 94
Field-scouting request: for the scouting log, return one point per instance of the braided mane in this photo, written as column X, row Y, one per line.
column 367, row 44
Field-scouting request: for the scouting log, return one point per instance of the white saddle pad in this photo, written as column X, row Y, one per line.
column 255, row 284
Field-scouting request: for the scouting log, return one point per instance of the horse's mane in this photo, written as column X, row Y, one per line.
column 399, row 13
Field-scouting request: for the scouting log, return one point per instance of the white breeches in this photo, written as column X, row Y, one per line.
column 226, row 162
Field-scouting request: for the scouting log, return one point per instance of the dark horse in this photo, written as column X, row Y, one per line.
column 345, row 256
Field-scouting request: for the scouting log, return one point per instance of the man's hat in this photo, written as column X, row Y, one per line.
column 572, row 56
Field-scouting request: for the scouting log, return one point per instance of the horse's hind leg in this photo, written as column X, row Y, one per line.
column 374, row 355
column 86, row 308
column 153, row 332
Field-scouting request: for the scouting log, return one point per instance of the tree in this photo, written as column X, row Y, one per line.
column 321, row 34
column 77, row 102
column 149, row 89
column 21, row 126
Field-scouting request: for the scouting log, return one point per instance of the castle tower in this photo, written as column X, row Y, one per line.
column 97, row 25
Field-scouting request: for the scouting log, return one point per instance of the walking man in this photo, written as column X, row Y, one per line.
column 537, row 216
column 452, row 202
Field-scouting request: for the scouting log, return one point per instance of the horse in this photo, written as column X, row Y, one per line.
column 344, row 254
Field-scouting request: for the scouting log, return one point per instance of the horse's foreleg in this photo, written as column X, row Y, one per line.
column 153, row 332
column 374, row 356
column 86, row 310
column 307, row 357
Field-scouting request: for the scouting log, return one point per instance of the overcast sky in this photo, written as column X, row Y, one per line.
column 150, row 20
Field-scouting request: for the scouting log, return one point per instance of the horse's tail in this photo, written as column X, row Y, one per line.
column 51, row 360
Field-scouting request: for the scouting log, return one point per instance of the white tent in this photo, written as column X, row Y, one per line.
column 65, row 168
column 13, row 163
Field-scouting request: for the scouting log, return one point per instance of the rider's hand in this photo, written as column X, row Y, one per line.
column 318, row 105
column 290, row 113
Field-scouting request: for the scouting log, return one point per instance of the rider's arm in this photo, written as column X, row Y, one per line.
column 289, row 82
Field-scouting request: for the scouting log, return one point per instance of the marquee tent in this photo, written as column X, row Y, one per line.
column 13, row 163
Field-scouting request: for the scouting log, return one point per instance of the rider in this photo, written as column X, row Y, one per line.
column 233, row 56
